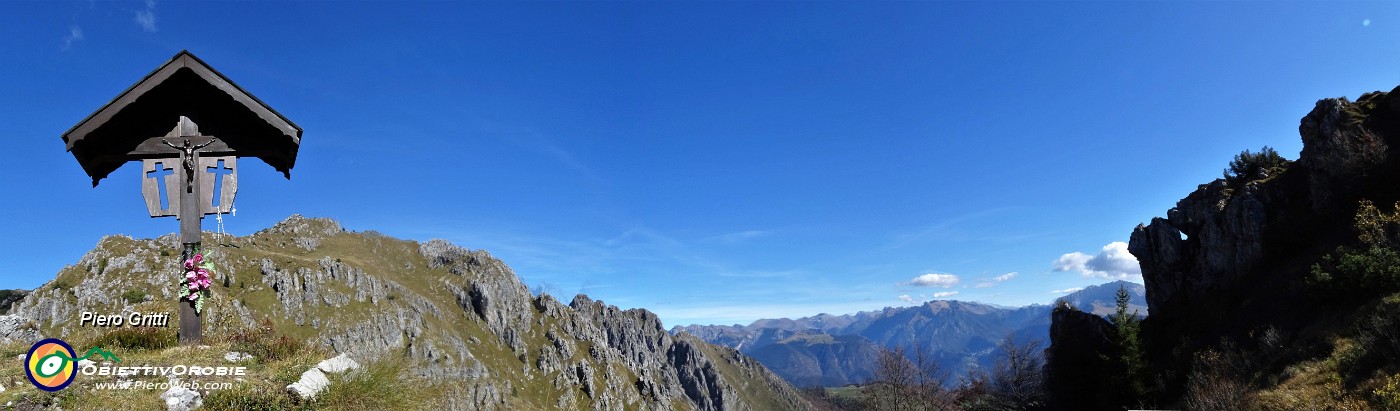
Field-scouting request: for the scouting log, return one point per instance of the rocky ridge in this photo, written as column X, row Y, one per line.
column 458, row 315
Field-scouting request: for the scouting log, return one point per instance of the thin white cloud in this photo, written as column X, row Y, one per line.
column 944, row 294
column 1112, row 262
column 906, row 298
column 997, row 280
column 1366, row 23
column 934, row 280
column 146, row 18
column 737, row 237
column 75, row 34
column 1066, row 291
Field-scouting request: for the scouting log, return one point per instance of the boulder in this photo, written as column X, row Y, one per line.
column 312, row 382
column 235, row 356
column 339, row 364
column 179, row 398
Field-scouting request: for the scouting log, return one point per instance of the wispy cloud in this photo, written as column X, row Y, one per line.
column 146, row 18
column 906, row 298
column 944, row 294
column 1112, row 262
column 539, row 142
column 943, row 228
column 1066, row 291
column 933, row 280
column 75, row 34
column 997, row 280
column 737, row 237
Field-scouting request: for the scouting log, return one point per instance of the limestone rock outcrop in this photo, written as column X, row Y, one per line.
column 1076, row 364
column 457, row 316
column 1220, row 232
column 1232, row 258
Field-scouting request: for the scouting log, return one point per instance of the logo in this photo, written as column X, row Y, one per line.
column 51, row 365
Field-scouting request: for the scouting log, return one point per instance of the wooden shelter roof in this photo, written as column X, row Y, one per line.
column 184, row 86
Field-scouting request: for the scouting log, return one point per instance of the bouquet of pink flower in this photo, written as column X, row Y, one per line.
column 197, row 280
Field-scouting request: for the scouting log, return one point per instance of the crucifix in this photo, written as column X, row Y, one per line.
column 185, row 173
column 186, row 193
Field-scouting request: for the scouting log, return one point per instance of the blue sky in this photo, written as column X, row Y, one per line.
column 713, row 162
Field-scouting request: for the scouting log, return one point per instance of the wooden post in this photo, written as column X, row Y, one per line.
column 190, row 216
column 191, row 323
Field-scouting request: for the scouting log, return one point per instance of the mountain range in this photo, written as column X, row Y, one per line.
column 835, row 350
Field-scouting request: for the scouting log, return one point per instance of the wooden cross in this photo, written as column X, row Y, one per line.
column 189, row 195
column 186, row 174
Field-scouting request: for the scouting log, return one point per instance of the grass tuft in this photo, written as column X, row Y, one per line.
column 250, row 397
column 134, row 296
column 375, row 386
column 264, row 343
column 137, row 338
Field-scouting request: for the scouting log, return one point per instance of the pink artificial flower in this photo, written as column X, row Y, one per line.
column 194, row 286
column 198, row 259
column 190, row 275
column 189, row 264
column 194, row 296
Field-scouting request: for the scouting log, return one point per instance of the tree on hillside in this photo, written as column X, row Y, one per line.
column 929, row 379
column 1368, row 267
column 1019, row 374
column 894, row 376
column 905, row 384
column 1015, row 382
column 1127, row 349
column 1249, row 166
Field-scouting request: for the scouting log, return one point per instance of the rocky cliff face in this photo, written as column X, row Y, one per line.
column 459, row 316
column 1224, row 259
column 1076, row 367
column 1219, row 234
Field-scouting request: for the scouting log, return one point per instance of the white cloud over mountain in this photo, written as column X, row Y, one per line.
column 997, row 280
column 1112, row 262
column 934, row 280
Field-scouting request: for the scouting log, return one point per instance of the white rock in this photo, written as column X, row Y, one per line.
column 339, row 364
column 84, row 363
column 312, row 382
column 235, row 356
column 179, row 398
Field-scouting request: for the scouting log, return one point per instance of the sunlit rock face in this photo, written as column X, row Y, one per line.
column 1220, row 232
